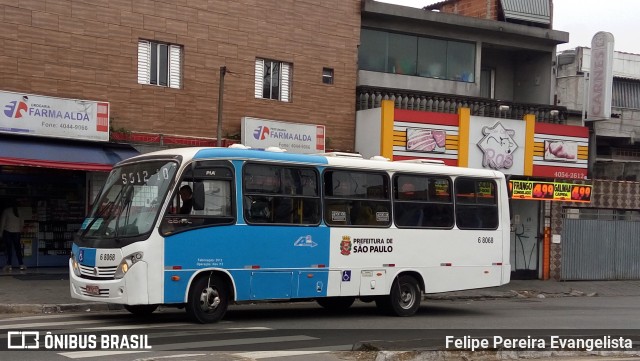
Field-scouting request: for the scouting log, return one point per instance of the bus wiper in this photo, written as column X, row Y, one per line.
column 127, row 202
column 102, row 212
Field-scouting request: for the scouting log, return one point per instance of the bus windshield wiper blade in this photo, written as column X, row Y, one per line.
column 102, row 212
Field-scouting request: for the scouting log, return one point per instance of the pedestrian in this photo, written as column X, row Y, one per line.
column 11, row 225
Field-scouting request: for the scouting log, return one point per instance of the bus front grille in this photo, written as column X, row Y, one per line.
column 97, row 272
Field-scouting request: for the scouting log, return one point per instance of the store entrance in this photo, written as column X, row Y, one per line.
column 525, row 239
column 53, row 205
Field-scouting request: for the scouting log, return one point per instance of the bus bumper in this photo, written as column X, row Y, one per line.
column 506, row 274
column 130, row 290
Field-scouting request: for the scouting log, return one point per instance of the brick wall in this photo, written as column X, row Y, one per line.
column 484, row 9
column 88, row 49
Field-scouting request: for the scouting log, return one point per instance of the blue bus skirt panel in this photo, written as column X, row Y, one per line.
column 266, row 262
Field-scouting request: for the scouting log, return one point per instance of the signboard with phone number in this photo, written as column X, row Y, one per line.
column 550, row 191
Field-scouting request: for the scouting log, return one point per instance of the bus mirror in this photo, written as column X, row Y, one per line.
column 198, row 196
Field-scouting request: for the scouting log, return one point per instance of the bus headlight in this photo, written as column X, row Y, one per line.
column 75, row 265
column 126, row 263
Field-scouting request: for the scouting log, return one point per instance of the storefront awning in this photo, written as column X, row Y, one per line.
column 63, row 155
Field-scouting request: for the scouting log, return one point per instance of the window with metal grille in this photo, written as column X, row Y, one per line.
column 159, row 64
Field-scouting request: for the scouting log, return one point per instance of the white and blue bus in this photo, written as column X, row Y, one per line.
column 266, row 225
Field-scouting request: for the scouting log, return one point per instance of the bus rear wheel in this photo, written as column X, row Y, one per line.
column 208, row 299
column 404, row 298
column 336, row 303
column 141, row 310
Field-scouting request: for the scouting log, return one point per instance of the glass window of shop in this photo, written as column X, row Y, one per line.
column 416, row 56
column 52, row 204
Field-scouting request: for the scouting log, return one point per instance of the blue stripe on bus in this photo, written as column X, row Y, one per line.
column 256, row 257
column 230, row 153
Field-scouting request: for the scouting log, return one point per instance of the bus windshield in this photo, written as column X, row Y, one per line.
column 130, row 200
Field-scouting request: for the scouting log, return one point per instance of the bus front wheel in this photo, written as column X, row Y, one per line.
column 404, row 298
column 208, row 299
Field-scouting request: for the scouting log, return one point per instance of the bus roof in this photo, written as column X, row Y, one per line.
column 342, row 160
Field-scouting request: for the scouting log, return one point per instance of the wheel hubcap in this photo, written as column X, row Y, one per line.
column 406, row 297
column 209, row 299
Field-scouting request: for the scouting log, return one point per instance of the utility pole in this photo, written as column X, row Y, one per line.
column 223, row 71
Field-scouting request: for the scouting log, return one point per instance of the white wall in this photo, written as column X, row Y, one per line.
column 368, row 132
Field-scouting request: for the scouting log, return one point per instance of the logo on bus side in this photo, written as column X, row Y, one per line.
column 305, row 241
column 345, row 246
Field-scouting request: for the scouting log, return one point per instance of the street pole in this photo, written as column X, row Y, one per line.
column 223, row 71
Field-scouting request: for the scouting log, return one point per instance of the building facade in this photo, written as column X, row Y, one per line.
column 162, row 73
column 600, row 238
column 498, row 62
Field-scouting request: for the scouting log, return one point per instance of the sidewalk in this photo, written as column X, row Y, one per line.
column 46, row 290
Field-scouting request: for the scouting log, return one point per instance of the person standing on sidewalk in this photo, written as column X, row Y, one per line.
column 11, row 226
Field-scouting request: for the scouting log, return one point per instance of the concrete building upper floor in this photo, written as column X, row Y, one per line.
column 481, row 61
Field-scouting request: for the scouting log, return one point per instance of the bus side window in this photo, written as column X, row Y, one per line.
column 423, row 201
column 280, row 194
column 359, row 198
column 476, row 205
column 257, row 209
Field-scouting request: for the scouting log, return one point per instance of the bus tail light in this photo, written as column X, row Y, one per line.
column 126, row 263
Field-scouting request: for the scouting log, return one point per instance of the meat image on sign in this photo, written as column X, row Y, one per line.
column 426, row 140
column 560, row 150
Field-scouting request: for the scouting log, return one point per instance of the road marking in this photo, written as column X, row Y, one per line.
column 132, row 327
column 249, row 328
column 295, row 352
column 272, row 354
column 49, row 324
column 199, row 344
column 232, row 342
column 81, row 354
column 26, row 318
column 186, row 355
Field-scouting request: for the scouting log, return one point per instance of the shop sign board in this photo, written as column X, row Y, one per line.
column 550, row 191
column 497, row 144
column 293, row 137
column 601, row 76
column 560, row 151
column 45, row 116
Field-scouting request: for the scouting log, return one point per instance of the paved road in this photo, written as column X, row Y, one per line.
column 304, row 331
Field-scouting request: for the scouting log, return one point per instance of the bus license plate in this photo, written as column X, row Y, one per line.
column 93, row 290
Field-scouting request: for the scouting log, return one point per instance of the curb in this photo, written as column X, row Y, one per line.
column 508, row 294
column 60, row 308
column 384, row 352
